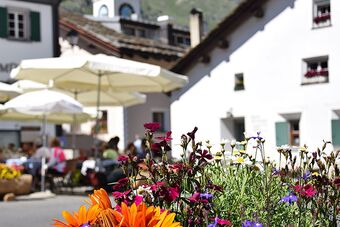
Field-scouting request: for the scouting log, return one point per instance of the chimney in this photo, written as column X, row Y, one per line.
column 196, row 26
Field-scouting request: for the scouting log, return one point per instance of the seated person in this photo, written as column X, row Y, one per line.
column 40, row 151
column 57, row 162
column 112, row 151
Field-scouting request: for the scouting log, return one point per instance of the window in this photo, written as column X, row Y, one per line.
column 336, row 132
column 315, row 70
column 321, row 13
column 141, row 33
column 288, row 132
column 19, row 24
column 126, row 10
column 239, row 85
column 239, row 129
column 128, row 30
column 181, row 40
column 160, row 118
column 103, row 11
column 102, row 123
column 294, row 132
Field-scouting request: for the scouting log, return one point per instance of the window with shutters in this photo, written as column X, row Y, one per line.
column 19, row 24
column 288, row 132
column 336, row 132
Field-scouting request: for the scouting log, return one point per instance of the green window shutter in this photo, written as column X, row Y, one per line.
column 35, row 26
column 3, row 22
column 282, row 133
column 336, row 132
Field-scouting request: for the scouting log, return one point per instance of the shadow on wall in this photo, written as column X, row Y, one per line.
column 256, row 25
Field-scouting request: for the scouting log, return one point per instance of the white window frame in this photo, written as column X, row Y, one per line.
column 316, row 13
column 26, row 23
column 322, row 74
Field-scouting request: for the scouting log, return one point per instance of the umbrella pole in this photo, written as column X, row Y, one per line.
column 74, row 139
column 96, row 131
column 43, row 158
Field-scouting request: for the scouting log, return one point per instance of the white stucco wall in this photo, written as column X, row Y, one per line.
column 12, row 51
column 269, row 52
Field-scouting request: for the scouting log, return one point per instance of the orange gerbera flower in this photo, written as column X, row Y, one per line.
column 106, row 217
column 142, row 216
column 101, row 198
column 82, row 218
column 102, row 214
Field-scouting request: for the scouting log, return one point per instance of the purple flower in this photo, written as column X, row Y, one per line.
column 289, row 199
column 306, row 175
column 85, row 225
column 206, row 195
column 248, row 223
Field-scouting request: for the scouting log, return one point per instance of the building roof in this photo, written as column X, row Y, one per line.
column 47, row 2
column 114, row 40
column 216, row 37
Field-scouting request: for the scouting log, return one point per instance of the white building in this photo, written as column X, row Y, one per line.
column 28, row 29
column 271, row 66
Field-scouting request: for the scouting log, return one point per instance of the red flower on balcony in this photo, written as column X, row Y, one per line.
column 322, row 18
column 323, row 72
column 313, row 73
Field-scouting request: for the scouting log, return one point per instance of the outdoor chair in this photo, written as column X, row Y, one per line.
column 59, row 181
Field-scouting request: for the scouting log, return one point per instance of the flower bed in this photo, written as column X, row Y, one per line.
column 210, row 188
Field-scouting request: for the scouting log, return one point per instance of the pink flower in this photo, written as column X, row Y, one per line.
column 155, row 187
column 138, row 199
column 223, row 222
column 152, row 126
column 172, row 194
column 121, row 183
column 306, row 191
column 167, row 137
column 119, row 195
column 123, row 158
column 309, row 191
column 195, row 197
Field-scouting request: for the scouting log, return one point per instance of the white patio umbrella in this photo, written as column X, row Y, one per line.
column 44, row 103
column 7, row 92
column 97, row 72
column 28, row 85
column 89, row 71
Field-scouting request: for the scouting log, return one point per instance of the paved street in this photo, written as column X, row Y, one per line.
column 37, row 213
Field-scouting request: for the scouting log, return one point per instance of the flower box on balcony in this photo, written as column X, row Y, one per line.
column 315, row 73
column 322, row 18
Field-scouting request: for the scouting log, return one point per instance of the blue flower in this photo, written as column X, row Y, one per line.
column 289, row 199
